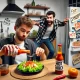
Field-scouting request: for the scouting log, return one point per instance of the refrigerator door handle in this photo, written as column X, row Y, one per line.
column 68, row 41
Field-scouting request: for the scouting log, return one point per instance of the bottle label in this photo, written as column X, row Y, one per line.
column 59, row 65
column 15, row 52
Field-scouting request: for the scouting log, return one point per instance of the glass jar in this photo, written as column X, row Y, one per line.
column 4, row 69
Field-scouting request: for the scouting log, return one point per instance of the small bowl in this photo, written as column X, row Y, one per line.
column 4, row 69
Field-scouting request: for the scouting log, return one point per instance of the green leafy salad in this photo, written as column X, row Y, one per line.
column 30, row 66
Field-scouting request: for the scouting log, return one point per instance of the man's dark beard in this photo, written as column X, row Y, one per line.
column 20, row 39
column 51, row 22
column 46, row 22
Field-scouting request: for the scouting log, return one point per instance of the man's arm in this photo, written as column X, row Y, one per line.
column 35, row 22
column 43, row 57
column 62, row 23
column 39, row 23
column 40, row 52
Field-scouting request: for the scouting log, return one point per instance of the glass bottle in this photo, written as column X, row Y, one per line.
column 59, row 60
column 33, row 3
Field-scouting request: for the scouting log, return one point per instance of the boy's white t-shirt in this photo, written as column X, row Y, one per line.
column 22, row 57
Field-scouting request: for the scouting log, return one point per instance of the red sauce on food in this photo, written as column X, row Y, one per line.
column 29, row 63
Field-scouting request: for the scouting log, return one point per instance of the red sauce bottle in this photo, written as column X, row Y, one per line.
column 59, row 60
column 18, row 51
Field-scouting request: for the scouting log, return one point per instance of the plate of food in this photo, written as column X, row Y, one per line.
column 30, row 67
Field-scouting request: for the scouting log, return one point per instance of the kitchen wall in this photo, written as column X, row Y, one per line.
column 59, row 6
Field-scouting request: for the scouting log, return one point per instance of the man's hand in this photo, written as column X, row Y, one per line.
column 66, row 20
column 40, row 52
column 10, row 50
column 35, row 23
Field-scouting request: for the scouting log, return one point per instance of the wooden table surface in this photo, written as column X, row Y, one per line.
column 50, row 64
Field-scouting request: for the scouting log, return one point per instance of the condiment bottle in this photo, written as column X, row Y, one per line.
column 59, row 60
column 33, row 3
column 20, row 51
column 17, row 51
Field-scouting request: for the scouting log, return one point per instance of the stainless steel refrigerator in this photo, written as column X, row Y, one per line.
column 72, row 41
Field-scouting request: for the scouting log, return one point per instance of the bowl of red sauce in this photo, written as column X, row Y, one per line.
column 4, row 69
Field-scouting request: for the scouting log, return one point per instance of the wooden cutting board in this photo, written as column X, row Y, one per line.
column 18, row 75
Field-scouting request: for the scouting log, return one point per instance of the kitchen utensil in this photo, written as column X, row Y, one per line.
column 31, row 56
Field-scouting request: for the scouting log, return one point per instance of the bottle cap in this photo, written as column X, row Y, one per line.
column 59, row 44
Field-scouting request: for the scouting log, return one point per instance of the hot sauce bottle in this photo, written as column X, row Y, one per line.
column 17, row 51
column 59, row 60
